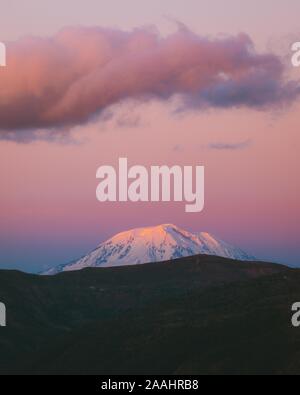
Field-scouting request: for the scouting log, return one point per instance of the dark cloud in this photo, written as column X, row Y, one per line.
column 56, row 83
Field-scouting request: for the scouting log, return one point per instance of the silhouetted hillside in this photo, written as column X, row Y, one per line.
column 195, row 315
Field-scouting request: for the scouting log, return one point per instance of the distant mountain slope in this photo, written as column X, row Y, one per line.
column 153, row 244
column 163, row 318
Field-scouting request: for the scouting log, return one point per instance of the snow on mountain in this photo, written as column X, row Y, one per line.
column 152, row 244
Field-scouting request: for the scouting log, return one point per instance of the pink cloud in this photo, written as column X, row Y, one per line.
column 66, row 80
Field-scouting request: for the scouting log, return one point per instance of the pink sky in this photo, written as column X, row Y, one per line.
column 49, row 213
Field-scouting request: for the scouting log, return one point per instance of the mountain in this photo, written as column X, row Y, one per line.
column 194, row 315
column 153, row 244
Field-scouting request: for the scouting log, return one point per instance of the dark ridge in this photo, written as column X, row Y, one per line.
column 200, row 315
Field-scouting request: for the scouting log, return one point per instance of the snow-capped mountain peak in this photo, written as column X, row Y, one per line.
column 153, row 244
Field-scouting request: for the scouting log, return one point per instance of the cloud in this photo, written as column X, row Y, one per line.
column 128, row 121
column 230, row 146
column 71, row 78
column 178, row 148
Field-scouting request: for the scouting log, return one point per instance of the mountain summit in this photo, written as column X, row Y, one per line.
column 153, row 244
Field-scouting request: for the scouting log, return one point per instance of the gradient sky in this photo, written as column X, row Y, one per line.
column 49, row 214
